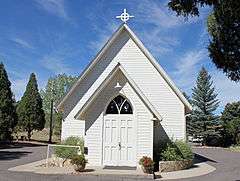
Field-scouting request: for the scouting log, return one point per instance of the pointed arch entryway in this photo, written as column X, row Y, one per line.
column 119, row 141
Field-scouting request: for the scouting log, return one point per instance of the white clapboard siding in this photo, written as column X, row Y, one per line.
column 94, row 120
column 145, row 75
column 72, row 127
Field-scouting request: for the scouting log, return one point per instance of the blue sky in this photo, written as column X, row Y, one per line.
column 49, row 37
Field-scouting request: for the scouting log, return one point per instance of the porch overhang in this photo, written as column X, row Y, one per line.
column 117, row 68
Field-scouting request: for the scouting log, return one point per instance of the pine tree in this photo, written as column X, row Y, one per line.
column 205, row 102
column 189, row 127
column 30, row 113
column 8, row 117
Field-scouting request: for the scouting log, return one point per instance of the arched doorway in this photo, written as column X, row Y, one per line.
column 119, row 140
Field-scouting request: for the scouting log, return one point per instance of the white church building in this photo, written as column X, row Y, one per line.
column 123, row 104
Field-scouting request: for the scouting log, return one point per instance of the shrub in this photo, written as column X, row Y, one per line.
column 147, row 164
column 184, row 149
column 79, row 161
column 235, row 148
column 170, row 153
column 70, row 152
column 214, row 140
column 176, row 151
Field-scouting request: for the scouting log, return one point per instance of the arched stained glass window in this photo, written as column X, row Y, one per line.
column 119, row 105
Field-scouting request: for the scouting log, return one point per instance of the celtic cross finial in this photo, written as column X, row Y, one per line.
column 124, row 16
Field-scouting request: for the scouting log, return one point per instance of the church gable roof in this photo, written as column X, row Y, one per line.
column 122, row 28
column 118, row 67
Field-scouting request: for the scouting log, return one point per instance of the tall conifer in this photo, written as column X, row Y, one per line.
column 8, row 118
column 30, row 112
column 205, row 102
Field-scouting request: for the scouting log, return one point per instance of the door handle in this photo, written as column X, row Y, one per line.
column 119, row 145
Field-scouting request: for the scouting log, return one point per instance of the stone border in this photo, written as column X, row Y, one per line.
column 195, row 171
column 169, row 166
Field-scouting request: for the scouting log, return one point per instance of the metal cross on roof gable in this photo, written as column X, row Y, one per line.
column 124, row 16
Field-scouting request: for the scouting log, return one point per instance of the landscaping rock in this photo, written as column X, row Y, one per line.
column 169, row 166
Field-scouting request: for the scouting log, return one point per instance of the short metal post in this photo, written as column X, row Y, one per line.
column 47, row 156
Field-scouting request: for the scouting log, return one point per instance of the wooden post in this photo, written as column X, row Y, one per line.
column 51, row 121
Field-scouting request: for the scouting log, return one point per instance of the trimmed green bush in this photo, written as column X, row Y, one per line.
column 176, row 151
column 184, row 149
column 79, row 161
column 70, row 152
column 170, row 153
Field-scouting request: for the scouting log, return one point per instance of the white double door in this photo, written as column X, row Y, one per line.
column 119, row 140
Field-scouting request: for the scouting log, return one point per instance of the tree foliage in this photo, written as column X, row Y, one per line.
column 189, row 7
column 30, row 113
column 8, row 116
column 224, row 47
column 189, row 125
column 231, row 123
column 205, row 102
column 224, row 28
column 55, row 89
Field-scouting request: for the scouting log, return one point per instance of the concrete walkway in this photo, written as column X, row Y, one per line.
column 227, row 165
column 36, row 167
column 198, row 170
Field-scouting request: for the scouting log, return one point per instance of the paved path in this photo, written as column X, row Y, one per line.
column 227, row 165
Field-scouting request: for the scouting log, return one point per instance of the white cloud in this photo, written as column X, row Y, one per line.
column 22, row 43
column 187, row 67
column 55, row 7
column 55, row 64
column 18, row 87
column 186, row 72
column 104, row 35
column 157, row 14
column 158, row 43
column 228, row 91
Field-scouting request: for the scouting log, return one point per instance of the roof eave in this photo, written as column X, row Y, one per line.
column 132, row 83
column 90, row 65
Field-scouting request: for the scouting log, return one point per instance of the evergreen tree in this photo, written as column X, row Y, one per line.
column 8, row 117
column 190, row 129
column 205, row 102
column 231, row 123
column 30, row 112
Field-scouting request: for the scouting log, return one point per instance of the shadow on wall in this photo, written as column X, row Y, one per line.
column 98, row 107
column 160, row 139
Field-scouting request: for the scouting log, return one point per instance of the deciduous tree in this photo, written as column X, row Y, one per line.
column 55, row 89
column 224, row 28
column 231, row 123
